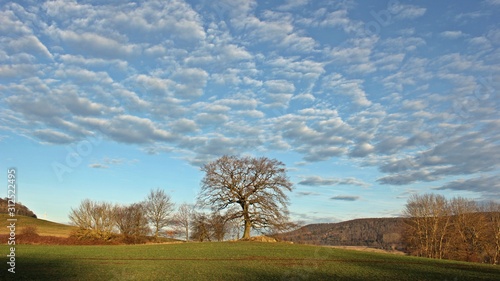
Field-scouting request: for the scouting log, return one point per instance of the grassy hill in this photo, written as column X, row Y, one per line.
column 230, row 261
column 46, row 228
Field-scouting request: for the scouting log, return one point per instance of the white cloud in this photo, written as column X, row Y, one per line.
column 276, row 29
column 190, row 82
column 361, row 150
column 53, row 137
column 345, row 198
column 98, row 45
column 404, row 11
column 232, row 52
column 343, row 86
column 98, row 166
column 83, row 76
column 414, row 104
column 320, row 181
column 184, row 125
column 155, row 85
column 18, row 70
column 487, row 184
column 452, row 34
column 29, row 43
column 279, row 86
column 293, row 4
column 493, row 2
column 130, row 129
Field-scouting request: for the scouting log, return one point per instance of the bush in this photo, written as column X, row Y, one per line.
column 89, row 236
column 30, row 231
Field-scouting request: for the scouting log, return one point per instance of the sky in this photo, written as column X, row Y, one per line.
column 365, row 102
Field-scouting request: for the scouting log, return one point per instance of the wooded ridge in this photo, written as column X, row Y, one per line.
column 382, row 233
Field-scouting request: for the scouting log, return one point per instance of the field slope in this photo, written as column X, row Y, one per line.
column 44, row 227
column 229, row 261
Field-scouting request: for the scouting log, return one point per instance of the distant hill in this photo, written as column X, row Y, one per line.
column 383, row 233
column 21, row 210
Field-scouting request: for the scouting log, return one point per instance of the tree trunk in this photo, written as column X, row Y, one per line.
column 248, row 227
column 248, row 222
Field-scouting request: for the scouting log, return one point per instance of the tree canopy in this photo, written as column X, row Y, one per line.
column 256, row 186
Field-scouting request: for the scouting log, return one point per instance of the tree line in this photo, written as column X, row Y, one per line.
column 104, row 220
column 237, row 193
column 21, row 210
column 459, row 228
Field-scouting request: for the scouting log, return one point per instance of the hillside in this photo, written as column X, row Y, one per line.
column 20, row 208
column 44, row 227
column 383, row 233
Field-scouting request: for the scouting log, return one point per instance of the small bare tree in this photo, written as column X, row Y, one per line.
column 469, row 223
column 200, row 227
column 159, row 207
column 131, row 221
column 95, row 216
column 492, row 213
column 256, row 185
column 183, row 219
column 218, row 226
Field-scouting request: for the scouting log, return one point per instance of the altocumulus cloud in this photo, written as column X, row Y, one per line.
column 320, row 181
column 298, row 79
column 345, row 198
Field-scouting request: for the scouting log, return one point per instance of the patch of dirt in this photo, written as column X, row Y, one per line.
column 368, row 249
column 262, row 239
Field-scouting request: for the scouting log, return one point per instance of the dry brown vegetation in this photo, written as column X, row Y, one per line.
column 458, row 229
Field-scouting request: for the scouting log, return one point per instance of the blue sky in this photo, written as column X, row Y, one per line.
column 366, row 102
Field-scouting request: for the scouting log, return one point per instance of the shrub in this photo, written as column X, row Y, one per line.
column 30, row 231
column 89, row 236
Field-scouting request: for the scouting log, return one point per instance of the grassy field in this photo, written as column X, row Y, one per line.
column 44, row 227
column 229, row 261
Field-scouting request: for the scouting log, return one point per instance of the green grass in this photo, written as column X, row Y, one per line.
column 44, row 227
column 229, row 261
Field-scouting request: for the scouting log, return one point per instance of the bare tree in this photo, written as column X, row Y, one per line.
column 159, row 207
column 218, row 226
column 428, row 222
column 182, row 219
column 131, row 221
column 492, row 212
column 201, row 227
column 460, row 228
column 256, row 185
column 469, row 224
column 95, row 216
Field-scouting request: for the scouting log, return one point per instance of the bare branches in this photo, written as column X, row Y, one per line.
column 96, row 216
column 459, row 229
column 256, row 185
column 182, row 219
column 131, row 221
column 158, row 206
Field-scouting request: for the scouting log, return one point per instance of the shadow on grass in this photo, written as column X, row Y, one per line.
column 41, row 268
column 434, row 271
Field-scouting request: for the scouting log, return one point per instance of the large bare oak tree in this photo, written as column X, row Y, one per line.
column 256, row 186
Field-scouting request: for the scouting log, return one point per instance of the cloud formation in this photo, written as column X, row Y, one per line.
column 200, row 79
column 319, row 181
column 347, row 198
